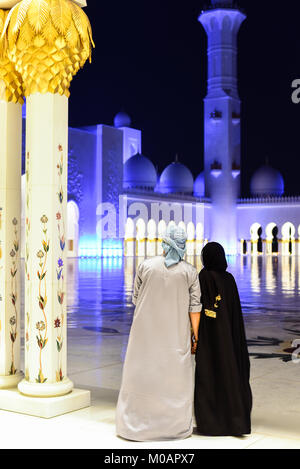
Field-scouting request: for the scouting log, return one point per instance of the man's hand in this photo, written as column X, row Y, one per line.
column 194, row 346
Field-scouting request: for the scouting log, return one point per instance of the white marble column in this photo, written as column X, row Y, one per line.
column 46, row 250
column 140, row 238
column 254, row 243
column 10, row 235
column 11, row 100
column 190, row 246
column 47, row 63
column 269, row 246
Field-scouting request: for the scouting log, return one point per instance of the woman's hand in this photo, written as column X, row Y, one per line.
column 194, row 345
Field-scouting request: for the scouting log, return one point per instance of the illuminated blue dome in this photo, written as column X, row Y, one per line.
column 199, row 185
column 122, row 119
column 176, row 178
column 221, row 2
column 139, row 172
column 267, row 181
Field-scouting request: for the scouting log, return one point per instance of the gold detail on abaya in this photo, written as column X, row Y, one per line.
column 49, row 41
column 210, row 314
column 11, row 89
column 218, row 299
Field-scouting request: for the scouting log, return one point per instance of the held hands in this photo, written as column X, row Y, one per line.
column 194, row 343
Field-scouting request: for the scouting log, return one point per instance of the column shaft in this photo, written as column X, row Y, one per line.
column 46, row 250
column 10, row 234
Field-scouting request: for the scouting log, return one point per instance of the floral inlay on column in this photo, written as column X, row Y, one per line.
column 59, row 321
column 28, row 200
column 27, row 254
column 13, row 271
column 27, row 327
column 42, row 326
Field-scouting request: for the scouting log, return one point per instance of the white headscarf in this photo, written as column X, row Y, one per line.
column 174, row 245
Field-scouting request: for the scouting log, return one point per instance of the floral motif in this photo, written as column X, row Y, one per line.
column 27, row 326
column 13, row 321
column 40, row 254
column 27, row 258
column 59, row 321
column 61, row 195
column 42, row 326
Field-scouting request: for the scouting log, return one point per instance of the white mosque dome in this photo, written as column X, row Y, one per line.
column 139, row 172
column 122, row 119
column 176, row 178
column 199, row 185
column 267, row 181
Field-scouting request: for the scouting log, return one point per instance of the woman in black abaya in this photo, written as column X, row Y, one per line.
column 223, row 399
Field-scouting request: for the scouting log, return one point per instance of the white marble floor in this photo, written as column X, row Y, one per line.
column 100, row 315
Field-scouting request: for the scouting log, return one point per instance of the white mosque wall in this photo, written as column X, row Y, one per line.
column 97, row 180
column 132, row 142
column 257, row 221
column 266, row 213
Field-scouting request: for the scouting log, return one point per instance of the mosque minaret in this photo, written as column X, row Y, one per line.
column 222, row 141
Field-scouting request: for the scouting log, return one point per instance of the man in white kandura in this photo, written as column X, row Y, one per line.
column 156, row 396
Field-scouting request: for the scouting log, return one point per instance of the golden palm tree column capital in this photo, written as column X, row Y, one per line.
column 11, row 89
column 49, row 41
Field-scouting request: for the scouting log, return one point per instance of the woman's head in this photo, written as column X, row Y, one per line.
column 213, row 257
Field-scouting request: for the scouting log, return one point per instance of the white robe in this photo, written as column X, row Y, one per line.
column 156, row 396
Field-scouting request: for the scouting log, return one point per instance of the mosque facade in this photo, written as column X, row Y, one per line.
column 119, row 205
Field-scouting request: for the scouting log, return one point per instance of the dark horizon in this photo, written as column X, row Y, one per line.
column 151, row 62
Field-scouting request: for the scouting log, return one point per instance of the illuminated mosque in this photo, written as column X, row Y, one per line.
column 107, row 169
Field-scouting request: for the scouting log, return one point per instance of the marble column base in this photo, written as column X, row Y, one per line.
column 45, row 390
column 11, row 400
column 11, row 381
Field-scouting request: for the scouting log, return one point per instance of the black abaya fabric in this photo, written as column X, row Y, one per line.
column 223, row 399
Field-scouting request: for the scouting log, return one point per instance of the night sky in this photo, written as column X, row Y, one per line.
column 150, row 60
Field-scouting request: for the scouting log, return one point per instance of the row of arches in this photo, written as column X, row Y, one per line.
column 273, row 240
column 143, row 239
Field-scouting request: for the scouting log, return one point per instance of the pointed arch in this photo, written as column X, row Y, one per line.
column 288, row 232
